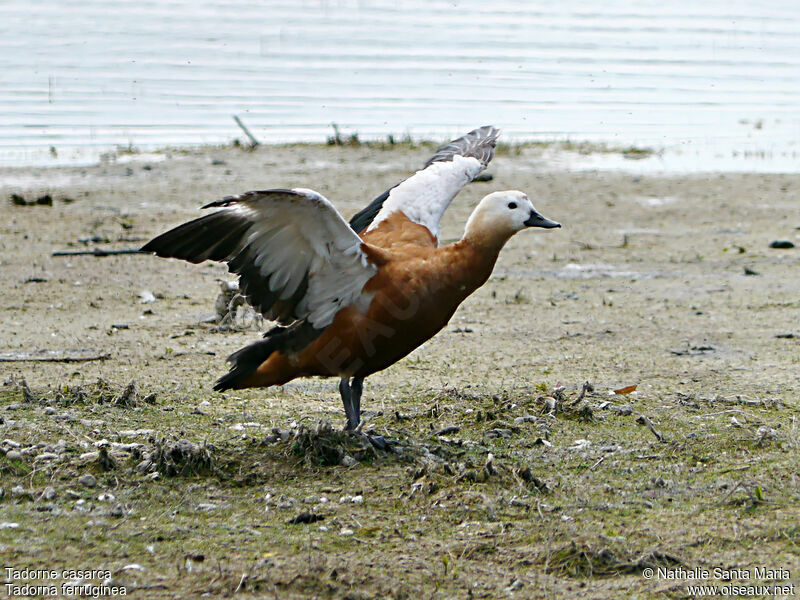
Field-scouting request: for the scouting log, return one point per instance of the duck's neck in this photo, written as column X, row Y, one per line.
column 476, row 257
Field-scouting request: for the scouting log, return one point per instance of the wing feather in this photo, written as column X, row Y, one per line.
column 296, row 257
column 425, row 196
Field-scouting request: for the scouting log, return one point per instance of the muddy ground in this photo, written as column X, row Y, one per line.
column 504, row 486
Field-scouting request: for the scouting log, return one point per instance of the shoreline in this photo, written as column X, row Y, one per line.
column 556, row 154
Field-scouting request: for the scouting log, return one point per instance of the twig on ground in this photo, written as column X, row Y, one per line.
column 98, row 252
column 253, row 141
column 53, row 356
column 643, row 420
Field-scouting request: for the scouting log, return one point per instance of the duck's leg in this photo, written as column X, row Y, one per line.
column 353, row 416
column 357, row 388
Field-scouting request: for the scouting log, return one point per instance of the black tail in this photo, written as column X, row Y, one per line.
column 244, row 362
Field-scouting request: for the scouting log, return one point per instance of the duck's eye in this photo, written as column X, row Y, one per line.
column 512, row 205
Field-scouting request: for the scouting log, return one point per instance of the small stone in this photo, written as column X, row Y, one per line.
column 348, row 461
column 49, row 493
column 117, row 511
column 146, row 297
column 346, row 531
column 782, row 244
column 46, row 456
column 305, row 518
column 50, row 410
column 525, row 419
column 14, row 455
column 580, row 444
column 18, row 490
column 88, row 480
column 623, row 410
column 764, row 433
column 448, row 430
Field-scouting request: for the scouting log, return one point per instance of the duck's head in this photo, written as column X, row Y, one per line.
column 502, row 214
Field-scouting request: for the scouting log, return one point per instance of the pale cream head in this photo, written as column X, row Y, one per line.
column 502, row 214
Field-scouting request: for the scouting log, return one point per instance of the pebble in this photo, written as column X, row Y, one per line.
column 88, row 480
column 782, row 244
column 14, row 455
column 106, row 497
column 348, row 461
column 50, row 410
column 346, row 532
column 144, row 466
column 146, row 297
column 117, row 511
column 448, row 430
column 18, row 491
column 46, row 456
column 525, row 419
column 623, row 410
column 764, row 433
column 352, row 499
column 498, row 433
column 49, row 493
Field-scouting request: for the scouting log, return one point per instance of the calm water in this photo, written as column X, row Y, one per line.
column 715, row 83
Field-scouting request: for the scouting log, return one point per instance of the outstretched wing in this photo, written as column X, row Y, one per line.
column 296, row 257
column 425, row 196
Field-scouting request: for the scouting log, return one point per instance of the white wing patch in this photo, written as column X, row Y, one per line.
column 425, row 196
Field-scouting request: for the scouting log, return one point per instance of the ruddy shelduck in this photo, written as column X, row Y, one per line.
column 353, row 299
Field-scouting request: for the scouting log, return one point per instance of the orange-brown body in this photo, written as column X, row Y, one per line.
column 414, row 294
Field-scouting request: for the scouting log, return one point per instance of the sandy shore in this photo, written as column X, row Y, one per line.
column 642, row 267
column 647, row 284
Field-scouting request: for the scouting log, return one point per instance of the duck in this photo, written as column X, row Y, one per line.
column 352, row 298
